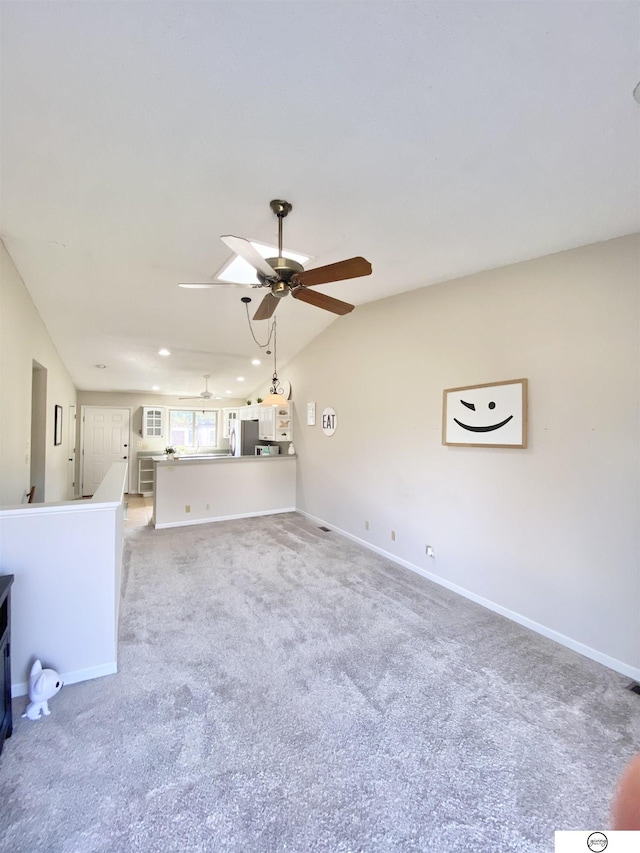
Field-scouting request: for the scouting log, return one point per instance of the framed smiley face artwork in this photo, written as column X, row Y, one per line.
column 490, row 415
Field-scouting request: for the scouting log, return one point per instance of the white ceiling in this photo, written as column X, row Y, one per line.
column 435, row 139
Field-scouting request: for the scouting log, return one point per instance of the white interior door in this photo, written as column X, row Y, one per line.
column 105, row 439
column 71, row 437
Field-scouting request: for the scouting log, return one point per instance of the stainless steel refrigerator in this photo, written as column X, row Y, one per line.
column 243, row 437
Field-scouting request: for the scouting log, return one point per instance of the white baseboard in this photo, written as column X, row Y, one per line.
column 215, row 518
column 73, row 677
column 632, row 672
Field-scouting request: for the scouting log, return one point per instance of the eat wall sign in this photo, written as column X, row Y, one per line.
column 329, row 421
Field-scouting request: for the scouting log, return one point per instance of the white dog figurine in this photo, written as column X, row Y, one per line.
column 43, row 684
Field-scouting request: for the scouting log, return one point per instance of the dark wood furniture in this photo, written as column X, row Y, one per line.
column 6, row 720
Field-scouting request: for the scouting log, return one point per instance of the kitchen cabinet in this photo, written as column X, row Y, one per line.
column 284, row 423
column 249, row 413
column 266, row 428
column 152, row 422
column 276, row 423
column 145, row 474
column 228, row 416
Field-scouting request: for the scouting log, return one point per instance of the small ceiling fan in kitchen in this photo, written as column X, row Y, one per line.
column 206, row 394
column 284, row 276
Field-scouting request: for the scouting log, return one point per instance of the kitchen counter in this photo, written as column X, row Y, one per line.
column 198, row 490
column 191, row 457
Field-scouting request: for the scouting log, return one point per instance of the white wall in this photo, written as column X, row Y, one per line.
column 67, row 561
column 548, row 535
column 23, row 338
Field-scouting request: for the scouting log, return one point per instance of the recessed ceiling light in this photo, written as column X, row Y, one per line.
column 240, row 379
column 255, row 361
column 163, row 352
column 239, row 271
column 101, row 366
column 228, row 392
column 155, row 387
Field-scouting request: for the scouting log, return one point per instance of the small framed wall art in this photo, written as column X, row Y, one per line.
column 57, row 425
column 489, row 415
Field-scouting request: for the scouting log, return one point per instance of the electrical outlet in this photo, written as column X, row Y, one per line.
column 366, row 525
column 393, row 536
column 206, row 506
column 431, row 551
column 187, row 508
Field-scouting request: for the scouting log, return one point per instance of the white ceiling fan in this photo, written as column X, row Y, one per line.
column 206, row 394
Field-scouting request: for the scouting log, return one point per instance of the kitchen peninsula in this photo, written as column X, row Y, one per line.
column 216, row 488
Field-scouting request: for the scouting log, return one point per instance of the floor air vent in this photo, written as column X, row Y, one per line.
column 326, row 529
column 634, row 688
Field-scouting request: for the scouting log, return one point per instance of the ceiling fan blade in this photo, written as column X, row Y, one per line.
column 351, row 268
column 321, row 300
column 204, row 285
column 190, row 398
column 248, row 253
column 266, row 307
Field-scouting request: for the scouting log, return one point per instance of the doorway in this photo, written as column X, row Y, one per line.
column 71, row 437
column 105, row 440
column 38, row 436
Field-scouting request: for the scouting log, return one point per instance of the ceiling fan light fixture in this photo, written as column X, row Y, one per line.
column 239, row 271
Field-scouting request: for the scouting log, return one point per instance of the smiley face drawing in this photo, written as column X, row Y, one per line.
column 490, row 427
column 486, row 415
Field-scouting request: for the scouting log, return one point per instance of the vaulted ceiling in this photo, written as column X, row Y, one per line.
column 436, row 139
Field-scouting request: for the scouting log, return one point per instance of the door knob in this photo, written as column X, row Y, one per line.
column 124, row 457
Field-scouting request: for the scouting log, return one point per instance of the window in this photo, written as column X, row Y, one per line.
column 191, row 428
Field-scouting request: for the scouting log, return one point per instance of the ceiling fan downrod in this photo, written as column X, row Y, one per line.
column 285, row 268
column 281, row 209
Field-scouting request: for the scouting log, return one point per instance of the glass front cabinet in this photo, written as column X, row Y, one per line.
column 230, row 415
column 153, row 422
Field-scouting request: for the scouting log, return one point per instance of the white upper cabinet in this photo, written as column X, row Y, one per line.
column 229, row 415
column 283, row 426
column 249, row 413
column 266, row 429
column 153, row 420
column 276, row 423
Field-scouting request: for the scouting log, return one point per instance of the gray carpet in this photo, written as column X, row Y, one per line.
column 283, row 689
